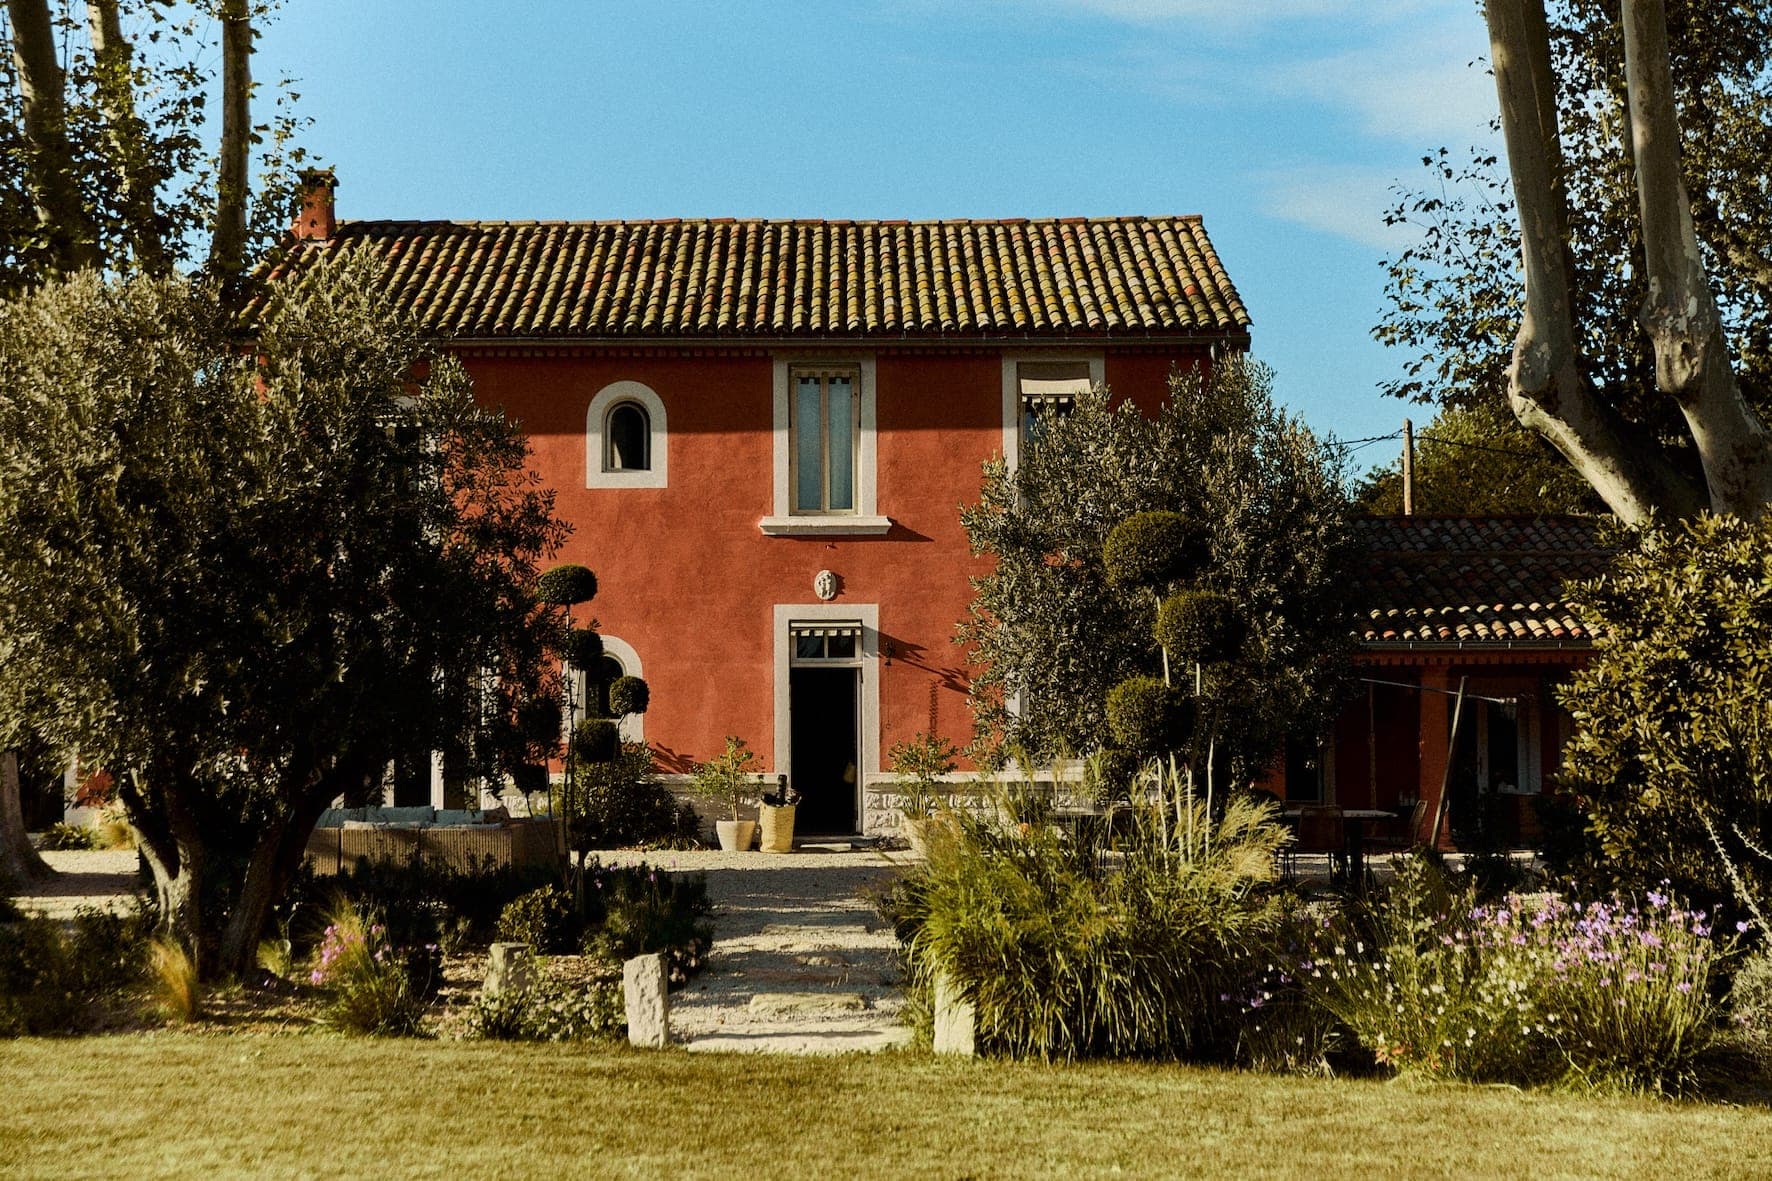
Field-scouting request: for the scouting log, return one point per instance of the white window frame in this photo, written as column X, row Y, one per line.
column 1528, row 748
column 864, row 520
column 1012, row 393
column 597, row 475
column 632, row 726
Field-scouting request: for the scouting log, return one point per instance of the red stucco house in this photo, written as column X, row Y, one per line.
column 762, row 431
column 1445, row 602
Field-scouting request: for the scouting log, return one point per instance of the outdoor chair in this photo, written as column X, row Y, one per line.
column 1321, row 829
column 1402, row 838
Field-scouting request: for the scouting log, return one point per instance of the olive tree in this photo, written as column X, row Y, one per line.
column 243, row 572
column 1238, row 497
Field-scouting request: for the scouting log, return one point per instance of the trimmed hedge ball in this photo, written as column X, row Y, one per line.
column 538, row 720
column 1201, row 626
column 596, row 740
column 1147, row 717
column 582, row 648
column 1153, row 549
column 628, row 695
column 565, row 585
column 529, row 778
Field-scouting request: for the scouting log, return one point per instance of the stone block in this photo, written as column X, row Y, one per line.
column 510, row 968
column 644, row 987
column 955, row 1020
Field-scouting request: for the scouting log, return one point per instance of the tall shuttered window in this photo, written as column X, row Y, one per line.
column 824, row 421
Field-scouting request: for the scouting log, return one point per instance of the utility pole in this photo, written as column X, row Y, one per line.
column 1408, row 468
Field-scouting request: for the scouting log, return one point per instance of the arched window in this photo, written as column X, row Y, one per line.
column 626, row 444
column 627, row 439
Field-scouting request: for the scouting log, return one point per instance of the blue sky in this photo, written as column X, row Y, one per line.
column 1283, row 122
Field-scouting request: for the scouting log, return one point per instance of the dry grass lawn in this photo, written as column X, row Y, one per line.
column 176, row 1105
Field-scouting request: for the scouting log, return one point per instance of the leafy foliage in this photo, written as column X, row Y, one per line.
column 545, row 919
column 1479, row 460
column 1606, row 994
column 552, row 1009
column 918, row 763
column 595, row 740
column 1150, row 550
column 1048, row 628
column 639, row 909
column 368, row 977
column 242, row 580
column 566, row 585
column 621, row 802
column 1147, row 717
column 54, row 976
column 1672, row 755
column 1201, row 627
column 727, row 776
column 582, row 647
column 628, row 695
column 1064, row 955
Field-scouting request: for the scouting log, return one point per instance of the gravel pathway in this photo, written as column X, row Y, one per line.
column 103, row 878
column 801, row 963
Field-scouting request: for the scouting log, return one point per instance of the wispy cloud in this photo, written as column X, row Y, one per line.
column 1421, row 88
column 1346, row 200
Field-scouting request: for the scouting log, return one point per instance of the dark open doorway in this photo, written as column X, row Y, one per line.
column 823, row 755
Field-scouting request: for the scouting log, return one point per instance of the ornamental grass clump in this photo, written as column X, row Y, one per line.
column 1612, row 994
column 1068, row 949
column 372, row 984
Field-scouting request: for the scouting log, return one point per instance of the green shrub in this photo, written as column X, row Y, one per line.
column 918, row 764
column 621, row 803
column 421, row 902
column 61, row 836
column 628, row 695
column 1065, row 955
column 582, row 648
column 1750, row 1001
column 1672, row 756
column 545, row 919
column 639, row 909
column 566, row 585
column 54, row 976
column 727, row 776
column 538, row 721
column 1148, row 717
column 368, row 978
column 550, row 1010
column 1200, row 627
column 595, row 740
column 1153, row 549
column 1609, row 994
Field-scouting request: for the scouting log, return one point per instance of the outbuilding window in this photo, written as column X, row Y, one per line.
column 626, row 445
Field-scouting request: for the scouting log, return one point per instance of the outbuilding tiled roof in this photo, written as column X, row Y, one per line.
column 1473, row 580
column 720, row 277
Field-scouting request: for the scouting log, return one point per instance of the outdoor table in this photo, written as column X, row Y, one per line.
column 1354, row 820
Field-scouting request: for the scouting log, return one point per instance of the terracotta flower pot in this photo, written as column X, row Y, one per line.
column 735, row 835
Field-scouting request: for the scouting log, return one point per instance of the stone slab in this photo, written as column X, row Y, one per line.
column 765, row 1003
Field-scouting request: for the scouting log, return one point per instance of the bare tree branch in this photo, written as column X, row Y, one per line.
column 227, row 250
column 62, row 216
column 111, row 55
column 1547, row 386
column 1680, row 313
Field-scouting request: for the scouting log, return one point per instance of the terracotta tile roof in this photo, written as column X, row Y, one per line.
column 718, row 277
column 1472, row 580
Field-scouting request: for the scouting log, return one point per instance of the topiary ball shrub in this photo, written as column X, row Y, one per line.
column 529, row 778
column 628, row 695
column 1147, row 717
column 1153, row 549
column 596, row 740
column 565, row 585
column 582, row 647
column 538, row 721
column 1201, row 626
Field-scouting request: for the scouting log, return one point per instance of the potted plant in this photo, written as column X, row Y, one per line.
column 919, row 764
column 727, row 777
column 777, row 817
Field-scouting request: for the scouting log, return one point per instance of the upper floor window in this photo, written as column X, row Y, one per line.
column 625, row 439
column 1038, row 388
column 824, row 424
column 824, row 448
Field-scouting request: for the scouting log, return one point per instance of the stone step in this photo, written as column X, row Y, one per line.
column 806, row 1003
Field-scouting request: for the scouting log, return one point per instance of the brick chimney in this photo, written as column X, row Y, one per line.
column 314, row 218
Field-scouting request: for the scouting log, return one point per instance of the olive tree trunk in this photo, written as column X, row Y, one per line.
column 227, row 249
column 49, row 169
column 19, row 861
